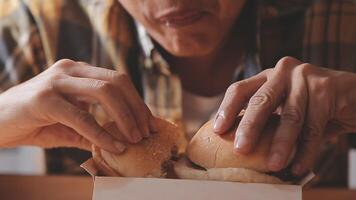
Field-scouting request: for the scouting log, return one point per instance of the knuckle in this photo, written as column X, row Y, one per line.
column 84, row 118
column 103, row 87
column 286, row 61
column 129, row 126
column 262, row 99
column 125, row 115
column 100, row 133
column 64, row 63
column 83, row 63
column 292, row 116
column 303, row 69
column 245, row 124
column 119, row 77
column 235, row 87
column 63, row 66
column 236, row 90
column 312, row 133
column 55, row 77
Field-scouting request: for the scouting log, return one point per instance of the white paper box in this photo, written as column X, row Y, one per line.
column 123, row 188
column 352, row 169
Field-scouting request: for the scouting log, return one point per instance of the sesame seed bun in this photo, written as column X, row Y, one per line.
column 148, row 158
column 215, row 155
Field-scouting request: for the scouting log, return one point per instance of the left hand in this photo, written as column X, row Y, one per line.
column 314, row 103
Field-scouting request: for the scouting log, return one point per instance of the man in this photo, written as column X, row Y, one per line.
column 181, row 57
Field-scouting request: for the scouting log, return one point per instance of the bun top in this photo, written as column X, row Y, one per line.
column 210, row 150
column 146, row 158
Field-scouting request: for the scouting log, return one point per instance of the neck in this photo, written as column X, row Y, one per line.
column 210, row 74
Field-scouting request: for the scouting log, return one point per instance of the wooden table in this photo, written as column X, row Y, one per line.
column 80, row 188
column 45, row 187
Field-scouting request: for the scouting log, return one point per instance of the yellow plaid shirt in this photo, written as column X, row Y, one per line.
column 36, row 33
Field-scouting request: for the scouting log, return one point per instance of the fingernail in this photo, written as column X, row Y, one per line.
column 218, row 125
column 241, row 143
column 119, row 146
column 275, row 161
column 136, row 136
column 297, row 169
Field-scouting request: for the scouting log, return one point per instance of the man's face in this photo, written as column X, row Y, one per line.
column 186, row 28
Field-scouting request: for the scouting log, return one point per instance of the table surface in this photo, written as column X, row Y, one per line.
column 80, row 188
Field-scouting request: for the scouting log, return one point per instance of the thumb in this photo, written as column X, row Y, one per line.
column 59, row 135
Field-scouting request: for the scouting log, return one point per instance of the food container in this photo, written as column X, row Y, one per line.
column 125, row 188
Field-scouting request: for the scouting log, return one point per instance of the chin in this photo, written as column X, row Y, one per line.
column 189, row 51
column 189, row 48
column 189, row 44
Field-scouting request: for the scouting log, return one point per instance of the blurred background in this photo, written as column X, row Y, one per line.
column 336, row 165
column 23, row 160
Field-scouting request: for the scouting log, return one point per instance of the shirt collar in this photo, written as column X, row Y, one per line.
column 153, row 60
column 144, row 39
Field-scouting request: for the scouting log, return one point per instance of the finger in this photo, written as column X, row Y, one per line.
column 83, row 123
column 260, row 107
column 311, row 139
column 59, row 135
column 139, row 109
column 262, row 104
column 82, row 104
column 234, row 101
column 111, row 128
column 291, row 122
column 109, row 97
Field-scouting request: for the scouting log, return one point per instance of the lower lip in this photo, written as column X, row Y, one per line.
column 182, row 21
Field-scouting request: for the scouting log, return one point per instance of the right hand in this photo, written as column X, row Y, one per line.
column 44, row 111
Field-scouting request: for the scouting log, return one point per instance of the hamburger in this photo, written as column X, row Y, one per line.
column 151, row 157
column 211, row 157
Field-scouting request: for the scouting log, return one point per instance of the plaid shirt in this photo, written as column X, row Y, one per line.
column 36, row 33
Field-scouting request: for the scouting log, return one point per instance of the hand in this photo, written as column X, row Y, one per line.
column 45, row 111
column 314, row 104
